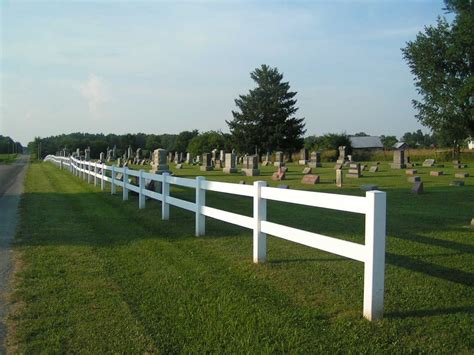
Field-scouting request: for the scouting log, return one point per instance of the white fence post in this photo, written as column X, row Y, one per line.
column 125, row 180
column 89, row 170
column 374, row 265
column 112, row 183
column 102, row 180
column 165, row 192
column 141, row 196
column 200, row 202
column 95, row 174
column 259, row 215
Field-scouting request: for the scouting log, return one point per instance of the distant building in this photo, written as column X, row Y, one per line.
column 367, row 143
column 400, row 146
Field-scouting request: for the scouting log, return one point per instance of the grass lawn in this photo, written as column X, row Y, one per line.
column 97, row 274
column 7, row 158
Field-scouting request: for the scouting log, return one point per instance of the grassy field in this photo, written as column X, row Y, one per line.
column 96, row 274
column 7, row 158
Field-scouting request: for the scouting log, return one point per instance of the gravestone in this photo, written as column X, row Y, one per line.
column 218, row 164
column 374, row 169
column 339, row 178
column 129, row 152
column 118, row 162
column 398, row 159
column 310, row 179
column 354, row 171
column 222, row 157
column 78, row 152
column 179, row 166
column 456, row 183
column 159, row 162
column 410, row 172
column 87, row 154
column 213, row 156
column 266, row 163
column 461, row 175
column 114, row 153
column 342, row 155
column 315, row 160
column 206, row 162
column 189, row 158
column 369, row 187
column 436, row 173
column 279, row 162
column 101, row 157
column 267, row 159
column 109, row 154
column 417, row 187
column 303, row 156
column 413, row 178
column 251, row 166
column 230, row 166
column 428, row 163
column 363, row 168
column 241, row 182
column 307, row 171
column 142, row 162
column 119, row 176
column 138, row 154
column 176, row 157
column 279, row 175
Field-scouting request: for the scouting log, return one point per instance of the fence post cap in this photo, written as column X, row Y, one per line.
column 375, row 193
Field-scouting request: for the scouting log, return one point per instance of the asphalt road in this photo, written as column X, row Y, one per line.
column 11, row 187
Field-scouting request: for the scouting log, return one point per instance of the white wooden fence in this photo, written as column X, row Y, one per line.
column 373, row 206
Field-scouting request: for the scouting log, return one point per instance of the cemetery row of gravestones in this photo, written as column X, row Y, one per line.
column 228, row 162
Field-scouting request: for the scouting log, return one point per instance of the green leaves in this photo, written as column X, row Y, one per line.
column 265, row 116
column 442, row 62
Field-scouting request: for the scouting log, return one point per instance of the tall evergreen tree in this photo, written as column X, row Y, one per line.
column 265, row 119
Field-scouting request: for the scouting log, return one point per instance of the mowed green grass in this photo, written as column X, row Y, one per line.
column 7, row 158
column 99, row 275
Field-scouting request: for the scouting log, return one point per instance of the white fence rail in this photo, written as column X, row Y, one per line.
column 373, row 206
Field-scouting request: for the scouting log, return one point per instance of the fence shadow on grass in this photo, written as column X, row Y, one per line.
column 429, row 312
column 442, row 272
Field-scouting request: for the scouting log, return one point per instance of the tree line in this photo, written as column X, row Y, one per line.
column 9, row 146
column 197, row 143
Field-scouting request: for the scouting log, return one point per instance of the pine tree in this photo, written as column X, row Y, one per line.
column 266, row 118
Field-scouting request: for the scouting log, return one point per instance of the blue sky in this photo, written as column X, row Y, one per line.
column 164, row 67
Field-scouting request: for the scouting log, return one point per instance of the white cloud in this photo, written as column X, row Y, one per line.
column 93, row 90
